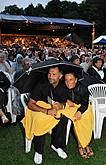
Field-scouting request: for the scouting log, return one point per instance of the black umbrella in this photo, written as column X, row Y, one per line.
column 28, row 80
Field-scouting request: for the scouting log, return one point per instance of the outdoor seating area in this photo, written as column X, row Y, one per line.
column 53, row 83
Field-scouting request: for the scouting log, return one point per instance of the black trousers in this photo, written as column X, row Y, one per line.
column 1, row 99
column 58, row 136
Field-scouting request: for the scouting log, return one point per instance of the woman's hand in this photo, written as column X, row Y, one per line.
column 57, row 106
column 52, row 112
column 70, row 103
column 77, row 116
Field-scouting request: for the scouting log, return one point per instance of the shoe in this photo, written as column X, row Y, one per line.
column 89, row 151
column 60, row 152
column 38, row 158
column 83, row 153
column 4, row 119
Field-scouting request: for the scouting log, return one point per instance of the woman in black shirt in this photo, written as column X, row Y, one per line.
column 78, row 94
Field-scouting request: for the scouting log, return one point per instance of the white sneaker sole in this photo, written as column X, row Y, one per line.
column 60, row 152
column 38, row 158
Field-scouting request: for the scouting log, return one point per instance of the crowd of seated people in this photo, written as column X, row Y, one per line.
column 38, row 49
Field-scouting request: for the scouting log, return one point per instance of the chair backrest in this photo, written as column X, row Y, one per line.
column 24, row 99
column 97, row 90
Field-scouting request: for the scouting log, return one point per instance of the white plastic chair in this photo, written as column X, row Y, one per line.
column 28, row 142
column 10, row 96
column 9, row 104
column 98, row 99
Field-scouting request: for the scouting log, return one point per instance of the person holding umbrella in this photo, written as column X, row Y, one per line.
column 50, row 91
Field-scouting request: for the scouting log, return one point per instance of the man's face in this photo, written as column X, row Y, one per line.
column 26, row 65
column 70, row 80
column 1, row 58
column 76, row 61
column 54, row 75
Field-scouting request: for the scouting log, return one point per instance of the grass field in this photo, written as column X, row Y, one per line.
column 12, row 149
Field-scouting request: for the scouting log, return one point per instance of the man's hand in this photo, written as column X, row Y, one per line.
column 57, row 106
column 77, row 116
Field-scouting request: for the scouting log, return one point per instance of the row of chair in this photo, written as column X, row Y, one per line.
column 98, row 99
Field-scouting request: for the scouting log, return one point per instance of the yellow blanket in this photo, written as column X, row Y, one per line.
column 38, row 123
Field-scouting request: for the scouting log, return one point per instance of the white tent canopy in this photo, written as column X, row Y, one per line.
column 100, row 40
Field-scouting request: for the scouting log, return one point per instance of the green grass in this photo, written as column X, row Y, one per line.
column 12, row 149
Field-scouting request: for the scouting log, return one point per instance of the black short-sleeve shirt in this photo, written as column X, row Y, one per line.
column 44, row 90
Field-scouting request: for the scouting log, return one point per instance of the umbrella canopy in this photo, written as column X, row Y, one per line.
column 28, row 80
column 100, row 40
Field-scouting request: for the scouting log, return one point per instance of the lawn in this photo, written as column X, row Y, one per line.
column 12, row 149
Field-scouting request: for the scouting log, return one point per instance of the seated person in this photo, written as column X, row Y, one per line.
column 26, row 65
column 50, row 91
column 4, row 85
column 97, row 70
column 3, row 116
column 78, row 94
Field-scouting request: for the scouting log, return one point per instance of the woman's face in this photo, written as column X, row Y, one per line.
column 70, row 80
column 98, row 64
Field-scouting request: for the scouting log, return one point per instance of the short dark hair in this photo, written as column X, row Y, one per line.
column 73, row 73
column 56, row 66
column 95, row 59
column 73, row 58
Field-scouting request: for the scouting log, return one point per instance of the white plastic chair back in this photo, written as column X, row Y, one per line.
column 24, row 97
column 98, row 99
column 97, row 90
column 10, row 96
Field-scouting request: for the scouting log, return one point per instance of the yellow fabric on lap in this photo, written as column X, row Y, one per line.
column 38, row 123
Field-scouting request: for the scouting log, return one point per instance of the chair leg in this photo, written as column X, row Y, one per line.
column 68, row 131
column 99, row 126
column 95, row 119
column 50, row 132
column 95, row 125
column 13, row 118
column 28, row 145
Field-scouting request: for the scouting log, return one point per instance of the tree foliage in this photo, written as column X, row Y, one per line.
column 13, row 9
column 30, row 10
column 54, row 9
column 39, row 10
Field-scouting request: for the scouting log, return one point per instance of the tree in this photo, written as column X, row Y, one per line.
column 88, row 11
column 39, row 10
column 98, row 14
column 69, row 10
column 54, row 9
column 13, row 9
column 30, row 10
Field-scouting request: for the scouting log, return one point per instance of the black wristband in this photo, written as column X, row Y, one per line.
column 47, row 111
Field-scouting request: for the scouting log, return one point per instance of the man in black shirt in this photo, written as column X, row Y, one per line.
column 50, row 91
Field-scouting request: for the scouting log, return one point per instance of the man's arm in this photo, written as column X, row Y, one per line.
column 34, row 107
